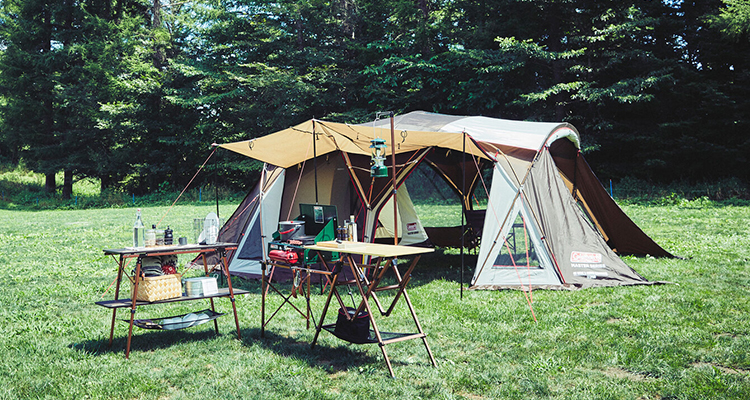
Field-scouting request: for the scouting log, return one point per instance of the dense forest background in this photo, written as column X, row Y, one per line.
column 133, row 92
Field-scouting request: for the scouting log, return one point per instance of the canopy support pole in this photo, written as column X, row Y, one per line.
column 463, row 211
column 315, row 161
column 393, row 168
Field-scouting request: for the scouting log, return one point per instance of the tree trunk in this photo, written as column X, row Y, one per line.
column 49, row 183
column 160, row 53
column 555, row 45
column 67, row 190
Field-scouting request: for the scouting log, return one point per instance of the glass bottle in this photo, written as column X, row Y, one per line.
column 138, row 230
column 150, row 240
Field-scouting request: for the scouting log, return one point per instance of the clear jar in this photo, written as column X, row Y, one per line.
column 159, row 233
column 150, row 237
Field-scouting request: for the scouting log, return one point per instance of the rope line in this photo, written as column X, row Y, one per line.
column 187, row 186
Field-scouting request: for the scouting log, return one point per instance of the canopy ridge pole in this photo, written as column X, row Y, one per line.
column 216, row 147
column 463, row 209
column 353, row 141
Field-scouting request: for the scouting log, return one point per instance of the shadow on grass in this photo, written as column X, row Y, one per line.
column 144, row 340
column 340, row 357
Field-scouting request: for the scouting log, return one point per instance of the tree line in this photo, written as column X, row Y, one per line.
column 133, row 92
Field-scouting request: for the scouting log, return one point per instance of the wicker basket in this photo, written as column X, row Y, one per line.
column 155, row 288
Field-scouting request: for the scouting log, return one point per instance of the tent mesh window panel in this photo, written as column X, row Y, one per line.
column 517, row 249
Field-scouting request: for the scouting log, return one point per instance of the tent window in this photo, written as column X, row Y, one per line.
column 517, row 249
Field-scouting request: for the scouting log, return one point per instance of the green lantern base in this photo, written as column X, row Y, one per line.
column 379, row 171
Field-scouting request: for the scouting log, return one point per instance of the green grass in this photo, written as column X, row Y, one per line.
column 688, row 340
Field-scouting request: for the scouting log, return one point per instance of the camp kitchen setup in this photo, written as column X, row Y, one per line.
column 332, row 210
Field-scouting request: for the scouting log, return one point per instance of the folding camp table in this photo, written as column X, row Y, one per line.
column 141, row 252
column 384, row 258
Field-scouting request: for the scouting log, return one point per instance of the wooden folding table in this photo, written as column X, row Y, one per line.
column 383, row 258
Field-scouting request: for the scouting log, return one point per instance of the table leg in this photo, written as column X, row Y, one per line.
column 402, row 281
column 117, row 296
column 225, row 266
column 211, row 300
column 387, row 360
column 378, row 274
column 307, row 298
column 263, row 289
column 319, row 327
column 365, row 302
column 419, row 328
column 132, row 306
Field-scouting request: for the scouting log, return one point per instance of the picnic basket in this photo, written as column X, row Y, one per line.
column 155, row 288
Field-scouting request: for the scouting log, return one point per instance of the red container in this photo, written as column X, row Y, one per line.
column 285, row 256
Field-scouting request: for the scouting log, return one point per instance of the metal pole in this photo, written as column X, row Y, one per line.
column 463, row 212
column 315, row 162
column 393, row 168
column 216, row 186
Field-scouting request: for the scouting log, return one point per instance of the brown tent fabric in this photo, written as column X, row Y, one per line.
column 623, row 235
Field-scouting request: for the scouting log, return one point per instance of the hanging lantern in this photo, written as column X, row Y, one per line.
column 378, row 169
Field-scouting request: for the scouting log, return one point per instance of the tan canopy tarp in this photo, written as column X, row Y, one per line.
column 294, row 145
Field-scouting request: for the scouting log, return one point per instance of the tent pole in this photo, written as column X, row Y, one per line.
column 216, row 186
column 315, row 162
column 463, row 211
column 393, row 168
column 263, row 247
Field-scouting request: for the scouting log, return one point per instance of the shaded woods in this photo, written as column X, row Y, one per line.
column 132, row 92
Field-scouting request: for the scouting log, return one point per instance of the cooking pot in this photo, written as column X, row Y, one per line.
column 289, row 230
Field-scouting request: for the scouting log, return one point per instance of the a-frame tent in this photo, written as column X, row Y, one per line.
column 548, row 222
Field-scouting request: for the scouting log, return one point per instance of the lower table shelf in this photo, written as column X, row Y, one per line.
column 177, row 322
column 388, row 337
column 127, row 302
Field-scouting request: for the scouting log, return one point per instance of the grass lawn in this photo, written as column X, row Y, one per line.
column 688, row 340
